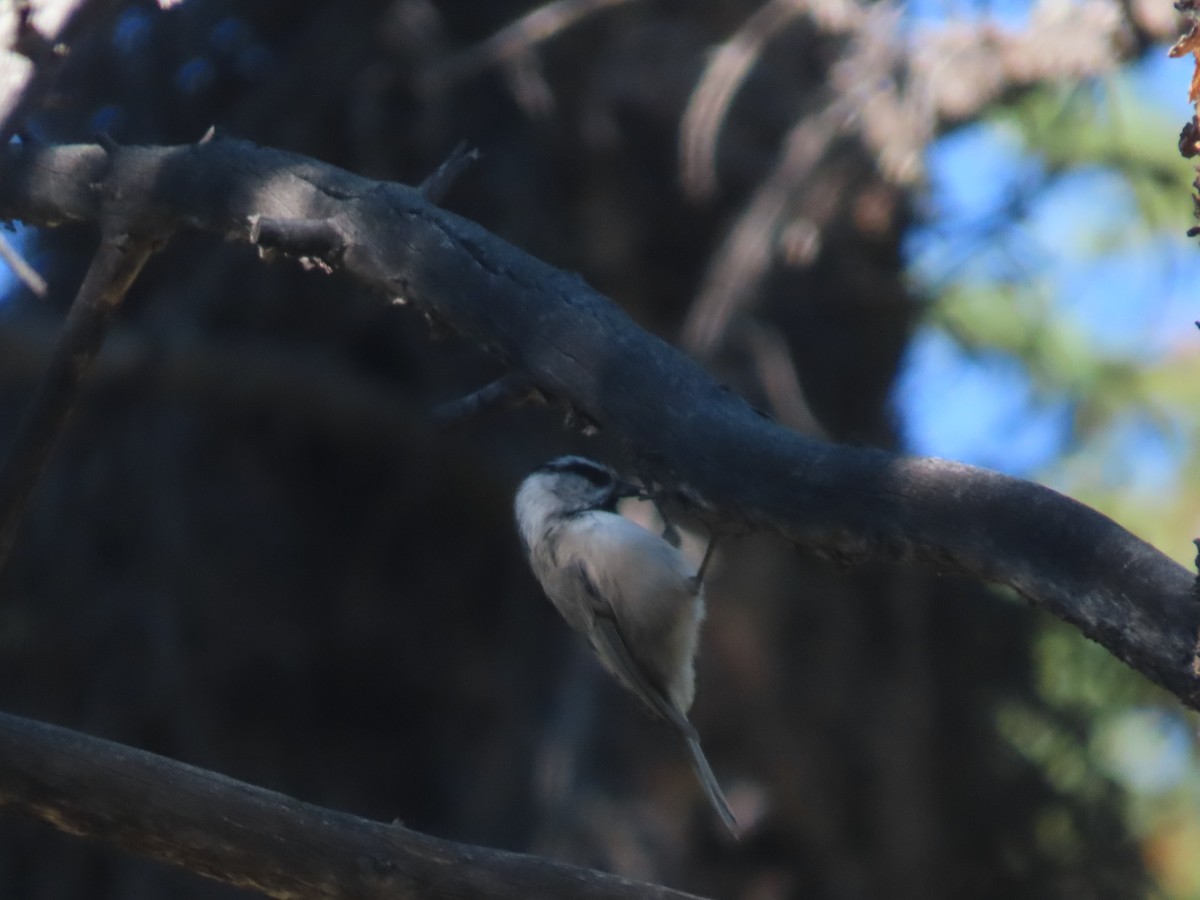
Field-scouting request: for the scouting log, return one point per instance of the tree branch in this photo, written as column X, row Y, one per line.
column 254, row 838
column 847, row 503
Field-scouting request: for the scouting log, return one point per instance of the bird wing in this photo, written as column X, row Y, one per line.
column 712, row 789
column 614, row 651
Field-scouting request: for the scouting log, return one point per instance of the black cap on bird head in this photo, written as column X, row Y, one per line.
column 604, row 481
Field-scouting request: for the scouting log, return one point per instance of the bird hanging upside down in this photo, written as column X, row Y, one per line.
column 634, row 597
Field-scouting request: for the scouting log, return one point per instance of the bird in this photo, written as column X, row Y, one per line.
column 635, row 597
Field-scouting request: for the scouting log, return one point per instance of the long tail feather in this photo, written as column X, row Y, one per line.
column 712, row 790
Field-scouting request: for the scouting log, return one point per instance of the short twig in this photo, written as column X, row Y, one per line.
column 113, row 269
column 508, row 390
column 27, row 274
column 309, row 239
column 436, row 186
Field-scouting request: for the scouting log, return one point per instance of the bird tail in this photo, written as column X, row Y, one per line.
column 712, row 790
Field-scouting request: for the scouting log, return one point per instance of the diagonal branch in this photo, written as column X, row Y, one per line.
column 507, row 391
column 25, row 273
column 116, row 264
column 254, row 838
column 848, row 503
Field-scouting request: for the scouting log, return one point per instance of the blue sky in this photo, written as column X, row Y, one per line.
column 1135, row 301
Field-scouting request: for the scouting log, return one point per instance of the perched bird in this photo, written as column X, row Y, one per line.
column 635, row 598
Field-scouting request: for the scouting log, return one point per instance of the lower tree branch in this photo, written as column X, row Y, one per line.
column 254, row 838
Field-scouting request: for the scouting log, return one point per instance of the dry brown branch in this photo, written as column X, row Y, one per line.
column 26, row 274
column 724, row 74
column 258, row 839
column 732, row 277
column 849, row 503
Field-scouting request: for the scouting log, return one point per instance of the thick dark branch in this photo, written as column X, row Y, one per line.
column 571, row 343
column 258, row 839
column 115, row 266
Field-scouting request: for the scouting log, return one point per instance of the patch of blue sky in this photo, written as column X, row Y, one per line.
column 1122, row 292
column 1129, row 303
column 1008, row 13
column 974, row 171
column 1162, row 82
column 976, row 408
column 1080, row 207
column 978, row 177
column 1139, row 456
column 1133, row 299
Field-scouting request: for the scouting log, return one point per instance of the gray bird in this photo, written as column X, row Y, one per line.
column 635, row 598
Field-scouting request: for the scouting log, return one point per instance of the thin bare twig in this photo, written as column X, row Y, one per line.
column 27, row 274
column 116, row 264
column 435, row 187
column 714, row 92
column 508, row 390
column 250, row 837
column 745, row 256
